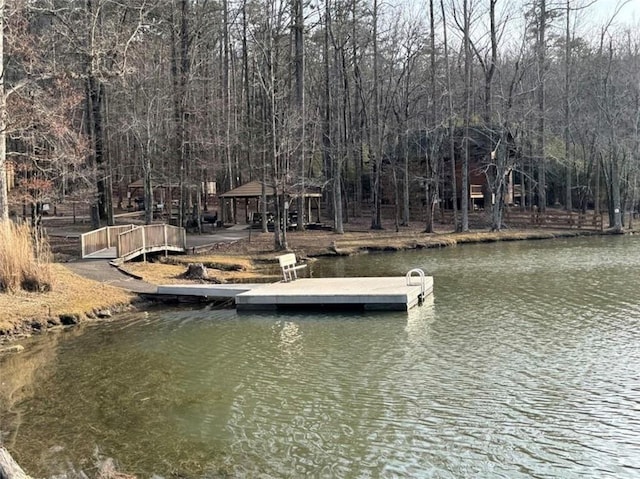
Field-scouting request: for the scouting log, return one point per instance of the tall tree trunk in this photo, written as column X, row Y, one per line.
column 464, row 203
column 376, row 161
column 280, row 226
column 567, row 107
column 180, row 65
column 596, row 189
column 491, row 68
column 177, row 113
column 4, row 189
column 94, row 109
column 337, row 198
column 542, row 53
column 497, row 158
column 451, row 122
column 616, row 206
column 96, row 92
column 299, row 102
column 325, row 112
column 431, row 179
column 406, row 212
column 226, row 95
column 357, row 116
column 329, row 167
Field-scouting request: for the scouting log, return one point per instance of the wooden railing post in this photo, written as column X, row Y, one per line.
column 166, row 241
column 144, row 244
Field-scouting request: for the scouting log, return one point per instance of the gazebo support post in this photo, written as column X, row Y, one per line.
column 234, row 202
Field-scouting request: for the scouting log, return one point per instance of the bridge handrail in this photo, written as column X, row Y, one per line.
column 102, row 238
column 144, row 239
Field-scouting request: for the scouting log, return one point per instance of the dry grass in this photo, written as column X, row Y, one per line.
column 24, row 262
column 217, row 261
column 224, row 269
column 350, row 243
column 70, row 295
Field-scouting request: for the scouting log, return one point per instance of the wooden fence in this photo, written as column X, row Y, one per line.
column 555, row 219
column 514, row 218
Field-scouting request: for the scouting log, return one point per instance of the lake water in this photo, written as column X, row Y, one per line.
column 526, row 363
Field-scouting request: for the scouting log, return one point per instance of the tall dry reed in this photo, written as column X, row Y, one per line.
column 24, row 259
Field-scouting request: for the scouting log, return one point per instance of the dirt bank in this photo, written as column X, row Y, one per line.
column 325, row 243
column 73, row 299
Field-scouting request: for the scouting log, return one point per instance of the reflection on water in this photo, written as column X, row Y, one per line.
column 525, row 364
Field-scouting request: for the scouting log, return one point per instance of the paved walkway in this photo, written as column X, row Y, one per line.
column 223, row 235
column 101, row 270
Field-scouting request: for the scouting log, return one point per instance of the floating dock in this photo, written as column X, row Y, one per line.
column 387, row 293
column 366, row 293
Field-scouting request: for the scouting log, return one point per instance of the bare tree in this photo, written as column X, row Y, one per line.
column 451, row 119
column 464, row 203
column 4, row 198
column 375, row 126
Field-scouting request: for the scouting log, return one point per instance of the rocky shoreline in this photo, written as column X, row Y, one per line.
column 39, row 325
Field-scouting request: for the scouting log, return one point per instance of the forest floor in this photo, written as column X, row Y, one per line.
column 74, row 298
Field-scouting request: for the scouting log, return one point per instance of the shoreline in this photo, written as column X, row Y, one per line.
column 454, row 239
column 94, row 301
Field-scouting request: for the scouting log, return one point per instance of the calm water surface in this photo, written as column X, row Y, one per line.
column 526, row 364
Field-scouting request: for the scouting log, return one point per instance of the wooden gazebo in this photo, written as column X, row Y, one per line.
column 251, row 193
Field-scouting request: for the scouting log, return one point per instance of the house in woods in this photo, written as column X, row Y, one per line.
column 248, row 198
column 163, row 194
column 488, row 147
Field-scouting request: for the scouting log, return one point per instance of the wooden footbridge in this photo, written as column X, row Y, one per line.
column 126, row 242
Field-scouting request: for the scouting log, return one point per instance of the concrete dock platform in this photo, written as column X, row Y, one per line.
column 386, row 293
column 367, row 293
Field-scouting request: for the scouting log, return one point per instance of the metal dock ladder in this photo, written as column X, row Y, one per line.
column 420, row 276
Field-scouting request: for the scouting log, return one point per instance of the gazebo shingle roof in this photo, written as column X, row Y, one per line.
column 253, row 189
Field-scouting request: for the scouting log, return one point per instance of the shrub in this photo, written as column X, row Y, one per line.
column 24, row 259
